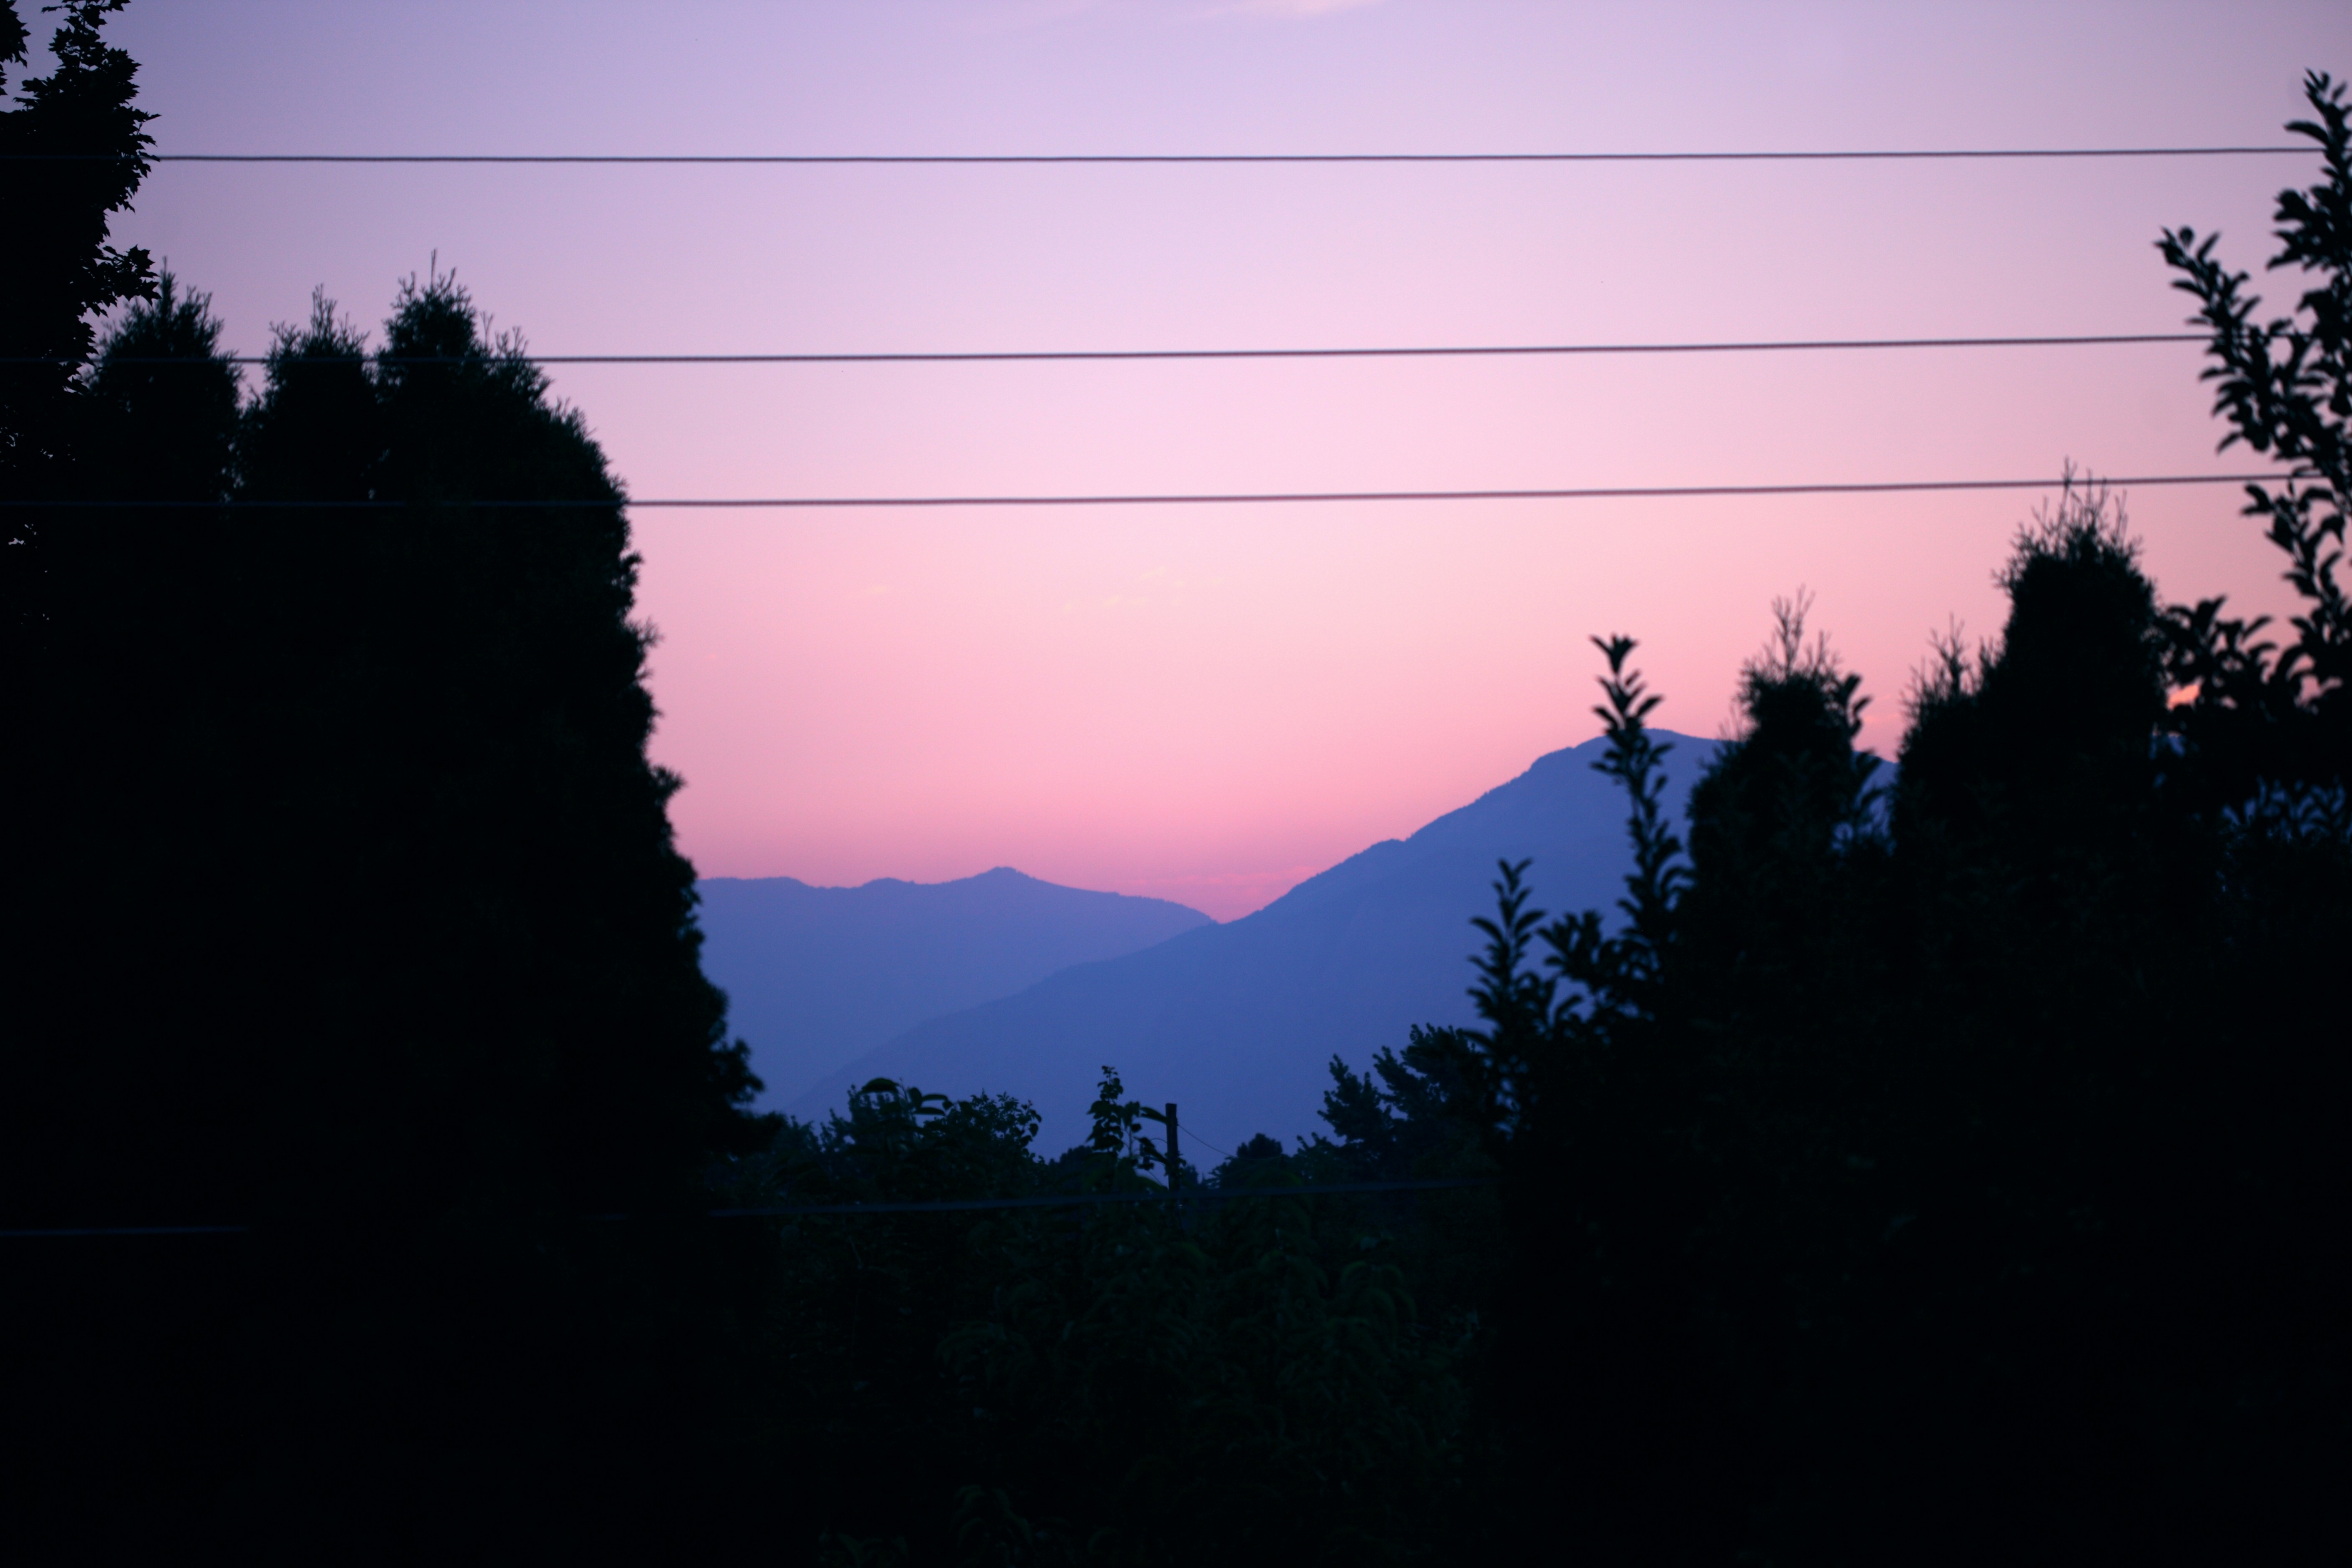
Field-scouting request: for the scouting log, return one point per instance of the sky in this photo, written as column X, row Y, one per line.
column 1211, row 703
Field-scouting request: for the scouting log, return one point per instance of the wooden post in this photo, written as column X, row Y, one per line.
column 1172, row 1155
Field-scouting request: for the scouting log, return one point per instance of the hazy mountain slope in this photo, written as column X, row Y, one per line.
column 815, row 975
column 1235, row 1022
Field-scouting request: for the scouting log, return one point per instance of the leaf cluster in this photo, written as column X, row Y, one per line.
column 2283, row 386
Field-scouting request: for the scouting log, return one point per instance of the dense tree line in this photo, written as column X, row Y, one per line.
column 1933, row 1163
column 1947, row 1168
column 1249, row 1371
column 1926, row 1163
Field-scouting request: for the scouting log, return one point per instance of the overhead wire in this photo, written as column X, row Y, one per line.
column 67, row 1232
column 1022, row 356
column 1073, row 1200
column 1204, row 1144
column 935, row 1205
column 1132, row 159
column 1250, row 498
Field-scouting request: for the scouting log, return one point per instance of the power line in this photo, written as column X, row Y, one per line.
column 1311, row 1189
column 946, row 1205
column 1204, row 1144
column 1130, row 158
column 66, row 1231
column 1258, row 498
column 1018, row 356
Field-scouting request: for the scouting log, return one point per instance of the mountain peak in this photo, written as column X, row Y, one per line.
column 815, row 975
column 1237, row 1022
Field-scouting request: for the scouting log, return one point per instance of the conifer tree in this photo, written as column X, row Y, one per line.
column 412, row 987
column 133, row 963
column 507, row 955
column 488, row 1021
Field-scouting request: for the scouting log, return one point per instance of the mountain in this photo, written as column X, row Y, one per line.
column 814, row 976
column 1236, row 1022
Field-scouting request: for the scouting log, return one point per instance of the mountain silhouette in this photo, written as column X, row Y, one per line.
column 1236, row 1022
column 814, row 976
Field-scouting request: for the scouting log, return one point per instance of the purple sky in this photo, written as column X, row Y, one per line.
column 1210, row 704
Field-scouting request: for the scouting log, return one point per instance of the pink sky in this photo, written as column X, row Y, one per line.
column 1209, row 704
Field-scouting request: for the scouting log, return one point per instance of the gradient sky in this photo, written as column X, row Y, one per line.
column 1209, row 704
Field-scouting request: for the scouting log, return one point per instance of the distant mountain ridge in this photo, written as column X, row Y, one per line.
column 1236, row 1022
column 814, row 976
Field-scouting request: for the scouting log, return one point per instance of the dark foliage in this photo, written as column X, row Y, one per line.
column 1949, row 1172
column 1946, row 1182
column 1936, row 1170
column 1118, row 1382
column 2283, row 387
column 420, row 997
column 55, row 269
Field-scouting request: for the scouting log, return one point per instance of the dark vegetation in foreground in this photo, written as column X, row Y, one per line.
column 1949, row 1169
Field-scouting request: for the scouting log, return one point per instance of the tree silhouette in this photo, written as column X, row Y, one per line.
column 56, row 270
column 494, row 1022
column 1110, row 1383
column 2283, row 388
column 1919, row 1173
column 415, row 991
column 1937, row 1169
column 468, row 803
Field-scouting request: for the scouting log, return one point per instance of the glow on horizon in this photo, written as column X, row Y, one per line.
column 1209, row 705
